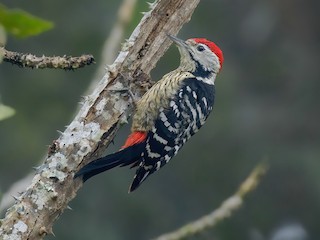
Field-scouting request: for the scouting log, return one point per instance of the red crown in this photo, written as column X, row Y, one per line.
column 214, row 48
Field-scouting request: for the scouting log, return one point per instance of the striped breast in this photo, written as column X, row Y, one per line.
column 187, row 112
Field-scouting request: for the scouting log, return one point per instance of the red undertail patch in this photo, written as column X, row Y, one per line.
column 134, row 138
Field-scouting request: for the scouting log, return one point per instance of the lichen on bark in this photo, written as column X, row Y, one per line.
column 102, row 113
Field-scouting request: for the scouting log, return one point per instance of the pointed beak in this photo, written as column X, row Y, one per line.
column 179, row 42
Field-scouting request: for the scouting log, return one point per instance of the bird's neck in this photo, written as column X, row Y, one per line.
column 199, row 73
column 208, row 79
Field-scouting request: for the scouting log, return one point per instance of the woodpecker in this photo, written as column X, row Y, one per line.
column 167, row 115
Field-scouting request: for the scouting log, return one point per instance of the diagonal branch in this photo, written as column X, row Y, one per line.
column 225, row 210
column 102, row 113
column 112, row 46
column 110, row 49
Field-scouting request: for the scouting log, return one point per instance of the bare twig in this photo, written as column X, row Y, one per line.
column 225, row 210
column 112, row 44
column 97, row 122
column 32, row 61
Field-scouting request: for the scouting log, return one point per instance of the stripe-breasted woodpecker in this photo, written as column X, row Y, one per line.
column 168, row 114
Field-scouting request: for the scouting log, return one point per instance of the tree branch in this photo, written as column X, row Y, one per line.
column 7, row 198
column 32, row 61
column 110, row 49
column 225, row 210
column 111, row 46
column 102, row 113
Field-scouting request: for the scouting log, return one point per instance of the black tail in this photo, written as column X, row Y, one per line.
column 124, row 157
column 139, row 178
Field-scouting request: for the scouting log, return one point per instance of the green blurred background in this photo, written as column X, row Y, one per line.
column 267, row 106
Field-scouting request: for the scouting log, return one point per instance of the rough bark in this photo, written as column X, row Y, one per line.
column 111, row 48
column 34, row 212
column 31, row 61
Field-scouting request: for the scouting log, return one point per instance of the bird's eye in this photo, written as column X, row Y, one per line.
column 200, row 48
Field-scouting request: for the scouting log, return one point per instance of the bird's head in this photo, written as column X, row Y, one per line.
column 199, row 55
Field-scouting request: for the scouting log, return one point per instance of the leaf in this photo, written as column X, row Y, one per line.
column 1, row 54
column 3, row 36
column 6, row 112
column 22, row 24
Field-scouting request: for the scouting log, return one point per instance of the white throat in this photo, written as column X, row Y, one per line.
column 208, row 80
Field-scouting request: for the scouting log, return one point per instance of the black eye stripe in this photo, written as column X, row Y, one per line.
column 200, row 48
